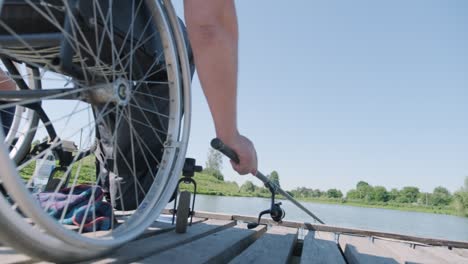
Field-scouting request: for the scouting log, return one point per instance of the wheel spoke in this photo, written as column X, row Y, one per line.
column 141, row 143
column 132, row 149
column 75, row 27
column 54, row 93
column 127, row 107
column 49, row 97
column 57, row 143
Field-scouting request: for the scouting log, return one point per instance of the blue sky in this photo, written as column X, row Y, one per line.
column 333, row 92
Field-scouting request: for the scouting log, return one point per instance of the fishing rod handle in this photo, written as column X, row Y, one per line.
column 219, row 145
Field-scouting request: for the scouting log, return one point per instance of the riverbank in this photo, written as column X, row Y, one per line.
column 399, row 207
column 209, row 185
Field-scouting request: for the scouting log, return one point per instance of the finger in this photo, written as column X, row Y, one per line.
column 235, row 166
column 244, row 170
column 241, row 169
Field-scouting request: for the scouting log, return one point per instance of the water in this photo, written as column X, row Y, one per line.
column 408, row 223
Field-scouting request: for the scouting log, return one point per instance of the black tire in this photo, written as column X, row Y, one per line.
column 129, row 67
column 183, row 211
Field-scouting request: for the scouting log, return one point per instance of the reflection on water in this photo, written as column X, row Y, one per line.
column 409, row 223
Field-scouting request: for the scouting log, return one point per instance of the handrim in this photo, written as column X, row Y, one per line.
column 175, row 150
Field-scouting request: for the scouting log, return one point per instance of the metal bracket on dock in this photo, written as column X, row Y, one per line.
column 188, row 172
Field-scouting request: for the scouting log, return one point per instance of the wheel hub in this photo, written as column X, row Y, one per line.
column 118, row 92
column 122, row 91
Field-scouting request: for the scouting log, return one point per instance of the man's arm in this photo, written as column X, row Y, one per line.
column 213, row 32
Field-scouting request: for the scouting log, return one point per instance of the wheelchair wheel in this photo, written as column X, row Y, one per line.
column 32, row 241
column 114, row 112
column 23, row 127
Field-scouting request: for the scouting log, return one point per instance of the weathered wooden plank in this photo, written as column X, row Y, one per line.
column 9, row 255
column 162, row 227
column 324, row 235
column 355, row 231
column 461, row 252
column 446, row 255
column 405, row 253
column 274, row 247
column 202, row 214
column 317, row 250
column 216, row 248
column 214, row 216
column 362, row 250
column 154, row 229
column 142, row 248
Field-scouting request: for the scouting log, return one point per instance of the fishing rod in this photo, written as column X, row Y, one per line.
column 275, row 211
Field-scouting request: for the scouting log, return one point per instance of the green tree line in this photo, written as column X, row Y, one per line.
column 363, row 194
column 460, row 199
column 213, row 167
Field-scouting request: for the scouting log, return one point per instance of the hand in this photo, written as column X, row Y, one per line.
column 246, row 152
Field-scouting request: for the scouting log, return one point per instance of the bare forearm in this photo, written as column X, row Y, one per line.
column 220, row 86
column 215, row 44
column 212, row 27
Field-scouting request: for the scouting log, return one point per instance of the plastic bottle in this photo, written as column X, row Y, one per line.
column 44, row 168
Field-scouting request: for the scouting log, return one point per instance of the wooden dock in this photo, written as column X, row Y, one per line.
column 220, row 238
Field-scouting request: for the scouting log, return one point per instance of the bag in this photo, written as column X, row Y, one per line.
column 74, row 204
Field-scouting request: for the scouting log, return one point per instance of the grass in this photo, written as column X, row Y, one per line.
column 390, row 206
column 87, row 173
column 209, row 185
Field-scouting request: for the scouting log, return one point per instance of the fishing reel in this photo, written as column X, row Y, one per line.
column 276, row 212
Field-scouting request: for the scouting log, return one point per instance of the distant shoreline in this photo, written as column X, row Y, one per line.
column 401, row 207
column 209, row 185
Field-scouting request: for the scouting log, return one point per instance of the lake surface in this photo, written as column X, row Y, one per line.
column 409, row 223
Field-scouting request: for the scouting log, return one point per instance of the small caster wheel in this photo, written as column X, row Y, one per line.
column 183, row 212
